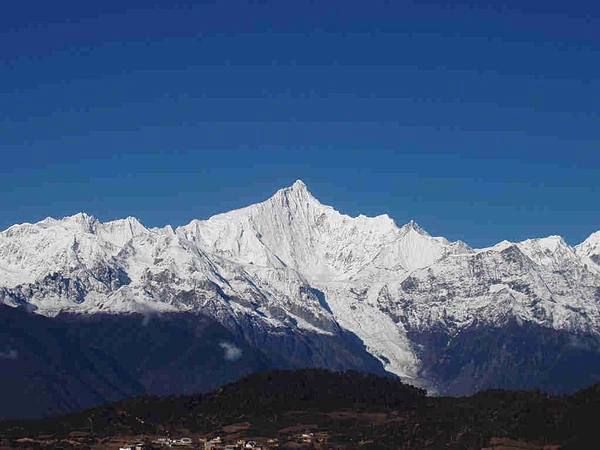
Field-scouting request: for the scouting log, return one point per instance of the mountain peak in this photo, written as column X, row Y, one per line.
column 592, row 239
column 590, row 248
column 299, row 188
column 298, row 191
column 299, row 185
column 81, row 217
column 414, row 226
column 87, row 222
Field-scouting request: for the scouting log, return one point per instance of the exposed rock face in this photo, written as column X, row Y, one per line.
column 308, row 286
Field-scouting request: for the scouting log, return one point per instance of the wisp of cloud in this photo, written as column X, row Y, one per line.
column 9, row 354
column 231, row 351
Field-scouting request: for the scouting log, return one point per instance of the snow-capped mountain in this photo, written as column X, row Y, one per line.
column 589, row 251
column 290, row 266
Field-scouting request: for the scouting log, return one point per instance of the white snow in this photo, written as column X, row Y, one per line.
column 292, row 260
column 589, row 251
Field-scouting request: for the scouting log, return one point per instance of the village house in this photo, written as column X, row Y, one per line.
column 138, row 446
column 218, row 444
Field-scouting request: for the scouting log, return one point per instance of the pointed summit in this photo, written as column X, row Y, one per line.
column 297, row 191
column 299, row 185
column 414, row 226
column 298, row 188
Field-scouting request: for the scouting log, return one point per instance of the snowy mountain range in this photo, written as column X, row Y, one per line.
column 436, row 313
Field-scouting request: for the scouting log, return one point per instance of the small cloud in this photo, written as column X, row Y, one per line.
column 231, row 351
column 147, row 315
column 28, row 307
column 9, row 354
column 146, row 319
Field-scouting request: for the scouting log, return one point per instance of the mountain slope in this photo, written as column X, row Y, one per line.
column 314, row 287
column 46, row 370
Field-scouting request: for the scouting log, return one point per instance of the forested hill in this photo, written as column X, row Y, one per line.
column 351, row 407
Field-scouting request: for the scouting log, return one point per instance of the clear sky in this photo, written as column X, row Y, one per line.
column 480, row 120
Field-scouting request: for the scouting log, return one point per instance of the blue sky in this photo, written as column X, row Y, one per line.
column 480, row 120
